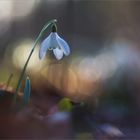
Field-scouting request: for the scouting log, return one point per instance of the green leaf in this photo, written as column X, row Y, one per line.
column 46, row 26
column 26, row 95
column 65, row 104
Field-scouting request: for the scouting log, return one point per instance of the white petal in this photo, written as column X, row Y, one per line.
column 58, row 53
column 63, row 45
column 45, row 45
column 53, row 40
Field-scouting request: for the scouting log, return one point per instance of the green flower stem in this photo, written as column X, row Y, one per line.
column 46, row 26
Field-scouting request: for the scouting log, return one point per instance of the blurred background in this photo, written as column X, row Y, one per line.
column 103, row 68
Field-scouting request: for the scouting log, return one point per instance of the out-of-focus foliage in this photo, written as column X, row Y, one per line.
column 65, row 104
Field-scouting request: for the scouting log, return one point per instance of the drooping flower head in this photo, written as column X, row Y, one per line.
column 55, row 43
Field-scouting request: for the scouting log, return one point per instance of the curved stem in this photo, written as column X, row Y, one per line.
column 46, row 26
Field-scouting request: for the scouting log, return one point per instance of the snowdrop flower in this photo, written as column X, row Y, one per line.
column 55, row 43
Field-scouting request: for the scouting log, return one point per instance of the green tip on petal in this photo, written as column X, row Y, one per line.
column 26, row 95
